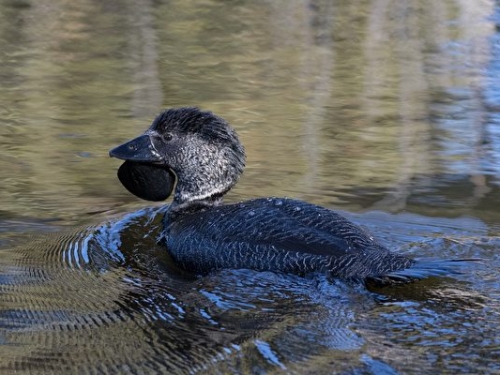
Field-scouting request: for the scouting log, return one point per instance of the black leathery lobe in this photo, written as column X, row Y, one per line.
column 148, row 182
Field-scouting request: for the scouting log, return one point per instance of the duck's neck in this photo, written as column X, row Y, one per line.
column 178, row 207
column 201, row 191
column 206, row 172
column 203, row 180
column 201, row 186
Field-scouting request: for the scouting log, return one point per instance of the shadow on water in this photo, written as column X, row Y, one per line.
column 112, row 294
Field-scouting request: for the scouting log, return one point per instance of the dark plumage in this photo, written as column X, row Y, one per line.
column 276, row 234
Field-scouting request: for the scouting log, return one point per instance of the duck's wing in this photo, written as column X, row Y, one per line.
column 293, row 237
column 325, row 228
column 279, row 235
column 282, row 224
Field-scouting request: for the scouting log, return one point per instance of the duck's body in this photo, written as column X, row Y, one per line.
column 268, row 234
column 276, row 234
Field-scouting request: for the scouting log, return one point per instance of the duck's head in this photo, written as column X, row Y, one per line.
column 201, row 149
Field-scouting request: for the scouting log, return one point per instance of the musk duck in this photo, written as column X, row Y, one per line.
column 201, row 154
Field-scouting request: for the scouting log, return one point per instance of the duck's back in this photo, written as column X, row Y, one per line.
column 276, row 234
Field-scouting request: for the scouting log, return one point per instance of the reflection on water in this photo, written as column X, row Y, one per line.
column 92, row 286
column 112, row 293
column 391, row 108
column 368, row 96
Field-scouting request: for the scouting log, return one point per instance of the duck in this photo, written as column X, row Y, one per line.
column 201, row 155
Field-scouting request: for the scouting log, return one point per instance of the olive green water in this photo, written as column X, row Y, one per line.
column 386, row 110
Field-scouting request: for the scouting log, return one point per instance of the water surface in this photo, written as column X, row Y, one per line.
column 387, row 111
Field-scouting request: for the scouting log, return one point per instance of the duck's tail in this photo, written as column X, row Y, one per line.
column 422, row 269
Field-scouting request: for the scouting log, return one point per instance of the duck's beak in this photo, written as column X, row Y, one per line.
column 140, row 149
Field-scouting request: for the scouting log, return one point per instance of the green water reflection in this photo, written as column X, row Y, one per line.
column 328, row 96
column 360, row 105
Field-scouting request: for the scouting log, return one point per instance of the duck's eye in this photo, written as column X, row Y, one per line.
column 168, row 136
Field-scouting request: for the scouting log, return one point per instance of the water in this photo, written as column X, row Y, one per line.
column 386, row 111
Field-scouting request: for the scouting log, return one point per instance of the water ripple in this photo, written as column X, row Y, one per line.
column 109, row 299
column 116, row 287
